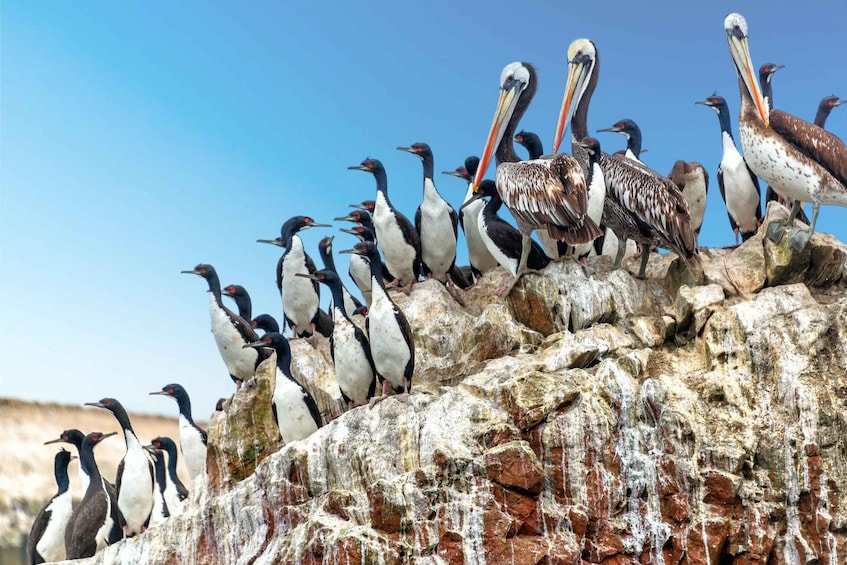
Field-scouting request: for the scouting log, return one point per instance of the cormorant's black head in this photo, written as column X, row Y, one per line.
column 265, row 322
column 96, row 437
column 487, row 188
column 203, row 269
column 272, row 340
column 219, row 405
column 72, row 435
column 326, row 276
column 472, row 164
column 173, row 390
column 361, row 310
column 461, row 172
column 63, row 458
column 831, row 102
column 716, row 103
column 235, row 291
column 297, row 224
column 109, row 404
column 325, row 245
column 420, row 149
column 366, row 205
column 369, row 166
column 626, row 127
column 164, row 443
column 357, row 216
column 365, row 249
column 362, row 232
column 767, row 70
column 591, row 145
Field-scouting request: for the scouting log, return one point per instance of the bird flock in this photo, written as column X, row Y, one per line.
column 579, row 204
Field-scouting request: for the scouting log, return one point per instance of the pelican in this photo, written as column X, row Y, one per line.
column 545, row 193
column 798, row 159
column 640, row 203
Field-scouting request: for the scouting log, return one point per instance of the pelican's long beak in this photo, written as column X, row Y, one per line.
column 739, row 49
column 578, row 73
column 502, row 114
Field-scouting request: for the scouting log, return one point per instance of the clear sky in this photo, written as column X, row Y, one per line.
column 142, row 138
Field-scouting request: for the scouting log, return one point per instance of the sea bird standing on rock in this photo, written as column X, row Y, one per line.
column 47, row 536
column 798, row 159
column 175, row 491
column 230, row 330
column 325, row 250
column 389, row 333
column 134, row 479
column 693, row 181
column 192, row 438
column 548, row 193
column 242, row 299
column 266, row 323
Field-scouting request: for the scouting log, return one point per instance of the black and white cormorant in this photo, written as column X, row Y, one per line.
column 300, row 297
column 96, row 521
column 325, row 250
column 175, row 491
column 192, row 438
column 501, row 238
column 351, row 353
column 230, row 330
column 596, row 184
column 641, row 204
column 691, row 178
column 135, row 476
column 394, row 232
column 295, row 411
column 389, row 333
column 242, row 299
column 798, row 159
column 160, row 511
column 266, row 323
column 359, row 269
column 548, row 193
column 739, row 185
column 46, row 541
column 479, row 256
column 629, row 129
column 437, row 225
column 531, row 142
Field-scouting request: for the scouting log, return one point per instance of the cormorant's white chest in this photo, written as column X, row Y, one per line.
column 239, row 361
column 596, row 200
column 172, row 498
column 360, row 272
column 398, row 254
column 293, row 416
column 193, row 448
column 438, row 240
column 506, row 261
column 51, row 546
column 388, row 344
column 352, row 369
column 478, row 254
column 740, row 194
column 299, row 299
column 105, row 529
column 135, row 499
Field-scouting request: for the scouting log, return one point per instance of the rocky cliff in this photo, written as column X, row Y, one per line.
column 591, row 417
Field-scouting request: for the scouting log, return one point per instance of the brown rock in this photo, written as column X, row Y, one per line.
column 386, row 513
column 720, row 488
column 515, row 465
column 745, row 266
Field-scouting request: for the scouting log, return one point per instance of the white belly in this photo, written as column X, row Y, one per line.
column 596, row 201
column 388, row 347
column 239, row 362
column 438, row 241
column 192, row 447
column 478, row 254
column 294, row 419
column 740, row 193
column 352, row 369
column 51, row 546
column 172, row 498
column 299, row 299
column 157, row 516
column 504, row 260
column 398, row 255
column 135, row 501
column 102, row 535
column 360, row 272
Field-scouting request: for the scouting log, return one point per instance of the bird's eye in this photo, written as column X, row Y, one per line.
column 267, row 340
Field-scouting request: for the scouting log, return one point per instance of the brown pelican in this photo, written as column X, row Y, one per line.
column 640, row 203
column 545, row 193
column 798, row 159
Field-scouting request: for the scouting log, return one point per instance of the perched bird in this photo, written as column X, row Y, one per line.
column 75, row 437
column 230, row 330
column 175, row 492
column 47, row 536
column 134, row 480
column 766, row 72
column 798, row 159
column 641, row 204
column 827, row 105
column 325, row 250
column 192, row 438
column 266, row 323
column 394, row 232
column 629, row 129
column 547, row 193
column 359, row 268
column 242, row 299
column 531, row 142
column 480, row 258
column 365, row 205
column 501, row 238
column 96, row 522
column 693, row 181
column 351, row 353
column 300, row 298
column 437, row 225
column 596, row 194
column 160, row 511
column 739, row 185
column 294, row 409
column 391, row 340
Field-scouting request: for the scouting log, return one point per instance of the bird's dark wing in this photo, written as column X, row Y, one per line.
column 816, row 143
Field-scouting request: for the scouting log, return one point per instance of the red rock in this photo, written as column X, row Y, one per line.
column 719, row 489
column 451, row 551
column 674, row 508
column 579, row 521
column 385, row 516
column 522, row 508
column 523, row 550
column 515, row 465
column 337, row 502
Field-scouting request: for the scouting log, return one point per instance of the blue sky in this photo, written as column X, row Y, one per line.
column 139, row 139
